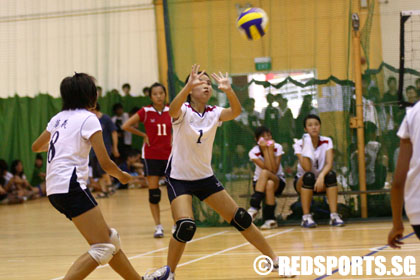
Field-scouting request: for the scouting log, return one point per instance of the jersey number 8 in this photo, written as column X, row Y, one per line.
column 51, row 150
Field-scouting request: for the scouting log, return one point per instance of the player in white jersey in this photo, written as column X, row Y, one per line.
column 269, row 180
column 315, row 174
column 406, row 185
column 68, row 139
column 189, row 169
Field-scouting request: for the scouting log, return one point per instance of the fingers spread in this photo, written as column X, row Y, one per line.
column 215, row 77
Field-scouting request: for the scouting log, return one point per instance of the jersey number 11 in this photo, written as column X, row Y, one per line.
column 161, row 129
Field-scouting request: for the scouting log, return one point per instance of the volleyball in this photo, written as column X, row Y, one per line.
column 252, row 23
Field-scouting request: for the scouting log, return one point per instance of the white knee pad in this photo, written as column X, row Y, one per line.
column 102, row 252
column 115, row 239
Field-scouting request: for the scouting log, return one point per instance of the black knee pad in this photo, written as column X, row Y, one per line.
column 256, row 199
column 185, row 229
column 154, row 196
column 331, row 179
column 309, row 180
column 242, row 220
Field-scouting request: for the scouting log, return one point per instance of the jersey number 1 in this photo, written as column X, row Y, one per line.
column 161, row 129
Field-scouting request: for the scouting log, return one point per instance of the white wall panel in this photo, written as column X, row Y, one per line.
column 41, row 42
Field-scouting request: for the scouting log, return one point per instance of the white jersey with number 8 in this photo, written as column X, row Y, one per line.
column 69, row 148
column 193, row 137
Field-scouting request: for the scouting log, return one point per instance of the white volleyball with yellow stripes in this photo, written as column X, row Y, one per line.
column 252, row 23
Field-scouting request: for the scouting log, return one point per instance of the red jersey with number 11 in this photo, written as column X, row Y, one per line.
column 158, row 127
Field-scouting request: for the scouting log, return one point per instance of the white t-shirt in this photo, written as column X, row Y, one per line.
column 69, row 148
column 410, row 129
column 7, row 177
column 256, row 153
column 193, row 137
column 318, row 155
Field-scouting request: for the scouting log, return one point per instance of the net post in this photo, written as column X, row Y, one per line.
column 359, row 113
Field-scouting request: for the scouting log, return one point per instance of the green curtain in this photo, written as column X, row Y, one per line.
column 22, row 120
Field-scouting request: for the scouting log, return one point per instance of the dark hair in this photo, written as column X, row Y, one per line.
column 186, row 81
column 260, row 131
column 117, row 106
column 3, row 166
column 39, row 156
column 410, row 88
column 146, row 89
column 126, row 85
column 390, row 79
column 132, row 153
column 156, row 85
column 311, row 116
column 134, row 110
column 78, row 92
column 98, row 88
column 13, row 167
column 98, row 107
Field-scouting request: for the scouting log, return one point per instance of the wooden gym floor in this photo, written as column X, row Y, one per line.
column 37, row 242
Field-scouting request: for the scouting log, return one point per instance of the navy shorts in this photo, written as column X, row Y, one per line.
column 416, row 230
column 154, row 167
column 74, row 203
column 202, row 188
column 280, row 189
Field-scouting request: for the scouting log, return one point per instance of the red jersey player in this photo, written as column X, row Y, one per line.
column 156, row 145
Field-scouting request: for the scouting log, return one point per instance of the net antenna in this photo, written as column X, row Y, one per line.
column 409, row 72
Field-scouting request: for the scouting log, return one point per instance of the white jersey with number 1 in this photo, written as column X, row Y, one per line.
column 410, row 129
column 192, row 146
column 68, row 151
column 318, row 155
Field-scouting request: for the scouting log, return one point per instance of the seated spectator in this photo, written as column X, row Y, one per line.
column 315, row 174
column 5, row 174
column 3, row 192
column 18, row 184
column 38, row 175
column 268, row 180
column 134, row 167
column 7, row 197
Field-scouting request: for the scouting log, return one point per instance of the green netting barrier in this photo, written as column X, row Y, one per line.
column 23, row 119
column 302, row 37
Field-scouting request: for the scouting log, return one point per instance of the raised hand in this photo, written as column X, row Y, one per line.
column 222, row 81
column 194, row 79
